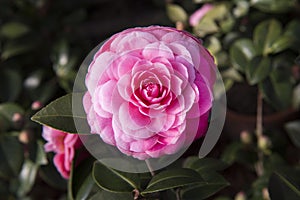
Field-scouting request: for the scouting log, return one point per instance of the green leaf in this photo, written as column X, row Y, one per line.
column 214, row 183
column 111, row 196
column 281, row 186
column 231, row 152
column 281, row 44
column 114, row 181
column 176, row 13
column 51, row 176
column 27, row 177
column 241, row 52
column 172, row 178
column 37, row 154
column 258, row 69
column 58, row 114
column 273, row 6
column 266, row 34
column 11, row 156
column 293, row 130
column 292, row 31
column 11, row 49
column 277, row 93
column 10, row 85
column 13, row 30
column 208, row 164
column 81, row 180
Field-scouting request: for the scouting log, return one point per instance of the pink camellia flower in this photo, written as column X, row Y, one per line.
column 150, row 91
column 64, row 145
column 199, row 14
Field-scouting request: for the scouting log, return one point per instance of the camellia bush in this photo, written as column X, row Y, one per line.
column 137, row 112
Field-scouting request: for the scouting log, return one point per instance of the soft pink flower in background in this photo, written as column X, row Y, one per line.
column 64, row 145
column 199, row 14
column 149, row 89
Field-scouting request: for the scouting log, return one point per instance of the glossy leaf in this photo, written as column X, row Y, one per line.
column 58, row 114
column 37, row 153
column 241, row 52
column 52, row 177
column 172, row 178
column 13, row 49
column 10, row 85
column 27, row 177
column 13, row 29
column 293, row 130
column 292, row 31
column 214, row 183
column 207, row 164
column 81, row 180
column 281, row 186
column 266, row 34
column 258, row 69
column 114, row 181
column 273, row 6
column 176, row 13
column 111, row 196
column 231, row 152
column 11, row 156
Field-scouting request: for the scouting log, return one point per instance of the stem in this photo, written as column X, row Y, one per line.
column 178, row 194
column 150, row 167
column 259, row 133
column 259, row 116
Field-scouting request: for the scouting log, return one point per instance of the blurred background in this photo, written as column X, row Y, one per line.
column 256, row 45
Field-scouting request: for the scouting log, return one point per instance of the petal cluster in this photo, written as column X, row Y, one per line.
column 64, row 146
column 149, row 91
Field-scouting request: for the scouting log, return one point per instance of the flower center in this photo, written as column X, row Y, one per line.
column 150, row 90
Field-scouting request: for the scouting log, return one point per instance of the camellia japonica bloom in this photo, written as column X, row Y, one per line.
column 64, row 146
column 149, row 91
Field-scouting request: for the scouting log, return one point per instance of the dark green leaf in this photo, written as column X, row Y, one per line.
column 292, row 31
column 266, row 34
column 10, row 85
column 81, row 180
column 11, row 156
column 27, row 177
column 241, row 52
column 293, row 129
column 281, row 44
column 172, row 178
column 273, row 6
column 51, row 176
column 13, row 29
column 214, row 183
column 277, row 93
column 114, row 181
column 13, row 49
column 111, row 196
column 258, row 69
column 230, row 154
column 176, row 13
column 58, row 114
column 208, row 164
column 37, row 154
column 282, row 187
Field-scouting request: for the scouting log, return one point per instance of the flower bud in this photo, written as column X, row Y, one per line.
column 240, row 196
column 17, row 117
column 24, row 137
column 263, row 142
column 265, row 194
column 36, row 105
column 246, row 137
